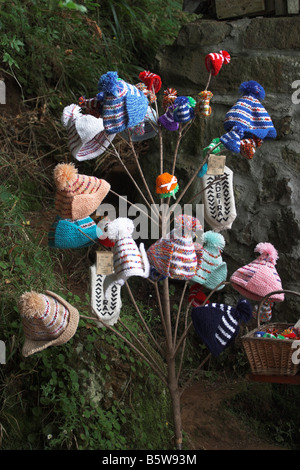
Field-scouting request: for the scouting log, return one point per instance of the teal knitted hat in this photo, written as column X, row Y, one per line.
column 211, row 270
column 65, row 233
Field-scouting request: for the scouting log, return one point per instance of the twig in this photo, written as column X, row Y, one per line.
column 187, row 384
column 130, row 344
column 141, row 317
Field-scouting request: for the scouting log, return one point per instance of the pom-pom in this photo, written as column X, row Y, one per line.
column 108, row 83
column 267, row 248
column 31, row 303
column 252, row 88
column 244, row 310
column 64, row 174
column 119, row 228
column 214, row 239
column 226, row 56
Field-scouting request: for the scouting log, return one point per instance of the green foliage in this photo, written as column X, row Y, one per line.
column 62, row 47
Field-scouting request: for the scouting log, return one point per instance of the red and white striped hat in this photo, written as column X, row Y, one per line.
column 215, row 60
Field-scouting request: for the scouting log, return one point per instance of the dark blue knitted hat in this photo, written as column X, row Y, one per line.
column 183, row 110
column 249, row 114
column 124, row 105
column 65, row 233
column 218, row 324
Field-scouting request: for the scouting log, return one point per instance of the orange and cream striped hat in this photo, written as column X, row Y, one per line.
column 47, row 320
column 77, row 196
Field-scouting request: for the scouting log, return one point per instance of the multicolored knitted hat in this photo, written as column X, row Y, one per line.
column 249, row 114
column 124, row 105
column 260, row 277
column 86, row 136
column 68, row 234
column 249, row 146
column 167, row 119
column 217, row 325
column 93, row 106
column 203, row 106
column 107, row 309
column 128, row 259
column 77, row 196
column 183, row 109
column 197, row 297
column 177, row 256
column 170, row 95
column 47, row 319
column 166, row 185
column 211, row 269
column 150, row 95
column 151, row 80
column 214, row 61
column 147, row 129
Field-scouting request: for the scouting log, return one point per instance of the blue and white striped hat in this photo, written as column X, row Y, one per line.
column 249, row 114
column 124, row 105
column 183, row 110
column 218, row 324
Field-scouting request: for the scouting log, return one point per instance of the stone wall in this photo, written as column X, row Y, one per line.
column 267, row 188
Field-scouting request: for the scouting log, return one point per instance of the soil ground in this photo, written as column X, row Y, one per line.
column 210, row 426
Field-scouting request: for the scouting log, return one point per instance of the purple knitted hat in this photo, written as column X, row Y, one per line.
column 167, row 119
column 260, row 277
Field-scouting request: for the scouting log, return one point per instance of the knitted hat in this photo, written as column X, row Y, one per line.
column 218, row 200
column 150, row 95
column 124, row 105
column 167, row 119
column 265, row 312
column 128, row 259
column 107, row 309
column 217, row 325
column 249, row 114
column 47, row 319
column 183, row 109
column 176, row 256
column 196, row 295
column 151, row 80
column 232, row 139
column 66, row 233
column 147, row 129
column 211, row 269
column 203, row 103
column 249, row 146
column 93, row 106
column 77, row 196
column 260, row 277
column 86, row 136
column 214, row 61
column 166, row 185
column 170, row 95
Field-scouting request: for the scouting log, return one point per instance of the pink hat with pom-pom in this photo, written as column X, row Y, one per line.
column 260, row 277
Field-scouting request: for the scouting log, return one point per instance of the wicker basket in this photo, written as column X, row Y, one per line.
column 270, row 356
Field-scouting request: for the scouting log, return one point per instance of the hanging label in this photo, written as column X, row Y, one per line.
column 104, row 262
column 216, row 164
